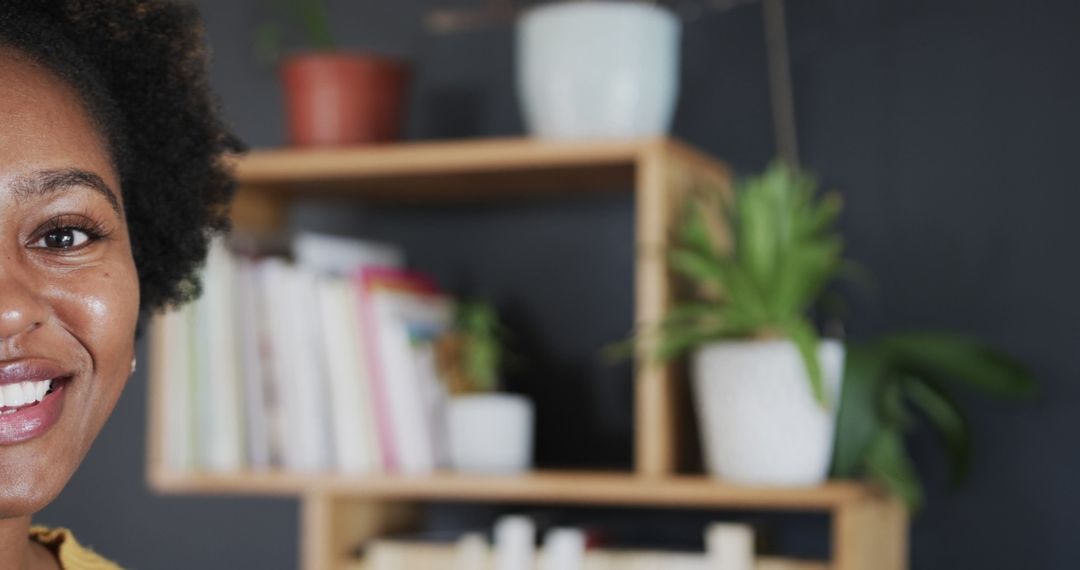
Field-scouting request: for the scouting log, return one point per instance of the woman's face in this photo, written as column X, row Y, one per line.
column 69, row 293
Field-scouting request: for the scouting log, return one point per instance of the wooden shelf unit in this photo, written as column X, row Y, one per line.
column 869, row 530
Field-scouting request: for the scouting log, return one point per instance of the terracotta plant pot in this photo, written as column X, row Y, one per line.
column 344, row 99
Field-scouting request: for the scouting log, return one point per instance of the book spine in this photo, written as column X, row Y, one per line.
column 177, row 433
column 346, row 399
column 225, row 444
column 308, row 377
column 283, row 418
column 402, row 396
column 250, row 327
column 376, row 378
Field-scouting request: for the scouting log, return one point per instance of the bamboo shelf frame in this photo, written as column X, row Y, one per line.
column 869, row 531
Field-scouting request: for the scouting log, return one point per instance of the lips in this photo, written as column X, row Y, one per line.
column 31, row 398
column 30, row 370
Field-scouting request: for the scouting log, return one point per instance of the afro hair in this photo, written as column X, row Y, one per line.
column 140, row 67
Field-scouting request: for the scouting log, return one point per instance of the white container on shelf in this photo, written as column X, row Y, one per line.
column 760, row 423
column 598, row 69
column 515, row 540
column 564, row 549
column 490, row 433
column 730, row 546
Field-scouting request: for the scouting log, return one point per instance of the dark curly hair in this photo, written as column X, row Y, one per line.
column 140, row 68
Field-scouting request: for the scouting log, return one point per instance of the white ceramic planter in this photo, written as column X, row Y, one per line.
column 490, row 433
column 760, row 424
column 598, row 69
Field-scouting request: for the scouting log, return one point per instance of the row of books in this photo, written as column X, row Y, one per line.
column 728, row 547
column 325, row 363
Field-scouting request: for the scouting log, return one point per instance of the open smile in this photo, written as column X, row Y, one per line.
column 31, row 399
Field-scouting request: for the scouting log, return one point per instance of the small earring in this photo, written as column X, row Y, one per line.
column 134, row 365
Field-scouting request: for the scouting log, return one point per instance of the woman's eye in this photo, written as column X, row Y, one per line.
column 63, row 238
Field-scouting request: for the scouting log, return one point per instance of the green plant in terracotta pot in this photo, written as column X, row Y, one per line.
column 334, row 96
column 470, row 361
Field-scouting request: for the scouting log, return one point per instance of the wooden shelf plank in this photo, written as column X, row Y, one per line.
column 456, row 170
column 555, row 487
column 408, row 159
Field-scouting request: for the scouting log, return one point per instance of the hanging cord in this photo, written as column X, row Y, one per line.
column 780, row 91
column 491, row 13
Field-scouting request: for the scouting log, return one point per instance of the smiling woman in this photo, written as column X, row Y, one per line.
column 111, row 184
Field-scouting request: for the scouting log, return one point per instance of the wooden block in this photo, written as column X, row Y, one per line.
column 871, row 534
column 332, row 528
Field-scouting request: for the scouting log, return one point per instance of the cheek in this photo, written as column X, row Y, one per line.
column 99, row 307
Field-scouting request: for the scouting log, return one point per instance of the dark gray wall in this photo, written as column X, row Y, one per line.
column 950, row 127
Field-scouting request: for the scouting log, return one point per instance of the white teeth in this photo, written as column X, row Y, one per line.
column 23, row 393
column 13, row 395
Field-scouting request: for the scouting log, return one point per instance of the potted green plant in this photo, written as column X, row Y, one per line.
column 334, row 96
column 766, row 385
column 897, row 380
column 488, row 431
column 767, row 389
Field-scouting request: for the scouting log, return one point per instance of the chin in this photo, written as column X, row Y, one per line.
column 28, row 484
column 34, row 470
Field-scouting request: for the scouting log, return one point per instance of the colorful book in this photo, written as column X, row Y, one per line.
column 398, row 310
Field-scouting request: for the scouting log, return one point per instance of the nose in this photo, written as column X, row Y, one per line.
column 21, row 307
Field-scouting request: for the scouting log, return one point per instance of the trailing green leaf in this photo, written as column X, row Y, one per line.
column 945, row 417
column 858, row 420
column 885, row 381
column 806, row 339
column 696, row 265
column 887, row 462
column 956, row 358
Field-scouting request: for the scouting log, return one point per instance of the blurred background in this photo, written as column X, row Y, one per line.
column 949, row 127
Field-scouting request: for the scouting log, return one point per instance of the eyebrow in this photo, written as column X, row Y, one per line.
column 45, row 182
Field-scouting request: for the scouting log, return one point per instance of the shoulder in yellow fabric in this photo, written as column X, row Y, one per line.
column 71, row 554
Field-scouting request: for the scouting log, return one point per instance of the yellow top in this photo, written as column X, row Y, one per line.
column 71, row 554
